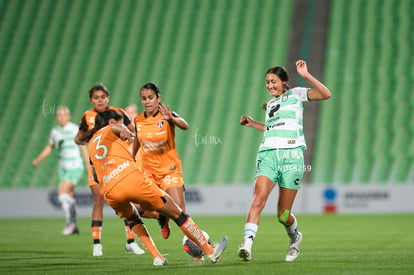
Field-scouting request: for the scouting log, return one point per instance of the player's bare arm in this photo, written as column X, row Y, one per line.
column 123, row 132
column 45, row 152
column 168, row 115
column 319, row 91
column 135, row 147
column 85, row 154
column 249, row 122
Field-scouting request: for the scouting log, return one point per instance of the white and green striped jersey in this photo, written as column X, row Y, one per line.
column 62, row 138
column 284, row 120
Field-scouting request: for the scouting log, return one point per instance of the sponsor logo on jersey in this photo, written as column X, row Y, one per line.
column 153, row 146
column 160, row 124
column 115, row 172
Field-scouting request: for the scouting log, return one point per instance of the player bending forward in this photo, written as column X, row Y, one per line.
column 121, row 183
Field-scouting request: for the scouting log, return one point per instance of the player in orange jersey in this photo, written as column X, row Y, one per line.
column 99, row 98
column 123, row 184
column 157, row 154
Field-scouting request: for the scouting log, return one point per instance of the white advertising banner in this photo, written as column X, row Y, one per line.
column 370, row 198
column 231, row 200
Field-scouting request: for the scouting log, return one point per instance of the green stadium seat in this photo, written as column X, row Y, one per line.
column 208, row 57
column 371, row 114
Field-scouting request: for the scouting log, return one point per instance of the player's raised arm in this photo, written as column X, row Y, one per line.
column 319, row 91
column 172, row 118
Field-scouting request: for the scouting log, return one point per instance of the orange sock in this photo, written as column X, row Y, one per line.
column 96, row 231
column 129, row 235
column 195, row 234
column 141, row 231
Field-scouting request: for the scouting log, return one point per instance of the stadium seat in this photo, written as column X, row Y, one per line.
column 370, row 110
column 208, row 57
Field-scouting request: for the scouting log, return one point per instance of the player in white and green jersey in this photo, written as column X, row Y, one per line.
column 280, row 157
column 69, row 155
column 70, row 165
column 284, row 120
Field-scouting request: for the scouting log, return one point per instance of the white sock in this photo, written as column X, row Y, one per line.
column 292, row 230
column 250, row 230
column 67, row 203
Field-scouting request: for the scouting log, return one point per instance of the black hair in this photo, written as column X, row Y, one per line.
column 282, row 73
column 101, row 120
column 151, row 86
column 98, row 87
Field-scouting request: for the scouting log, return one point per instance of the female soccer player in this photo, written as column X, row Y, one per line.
column 99, row 98
column 155, row 144
column 280, row 158
column 70, row 165
column 123, row 184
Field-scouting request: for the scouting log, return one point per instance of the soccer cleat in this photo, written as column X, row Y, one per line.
column 165, row 228
column 158, row 261
column 218, row 249
column 70, row 229
column 245, row 253
column 293, row 250
column 97, row 250
column 134, row 248
column 198, row 259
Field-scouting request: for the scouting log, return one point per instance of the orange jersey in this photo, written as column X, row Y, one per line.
column 88, row 122
column 111, row 158
column 88, row 118
column 157, row 153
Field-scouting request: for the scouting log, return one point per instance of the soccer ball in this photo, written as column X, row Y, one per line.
column 192, row 249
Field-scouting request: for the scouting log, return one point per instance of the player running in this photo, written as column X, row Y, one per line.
column 155, row 144
column 70, row 165
column 280, row 158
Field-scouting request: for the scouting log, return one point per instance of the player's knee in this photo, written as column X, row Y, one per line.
column 258, row 203
column 133, row 222
column 284, row 216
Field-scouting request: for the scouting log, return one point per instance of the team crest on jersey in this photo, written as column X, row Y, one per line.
column 160, row 124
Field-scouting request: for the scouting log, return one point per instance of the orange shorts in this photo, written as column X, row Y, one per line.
column 137, row 189
column 165, row 181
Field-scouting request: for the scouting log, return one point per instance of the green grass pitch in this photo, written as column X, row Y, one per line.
column 332, row 244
